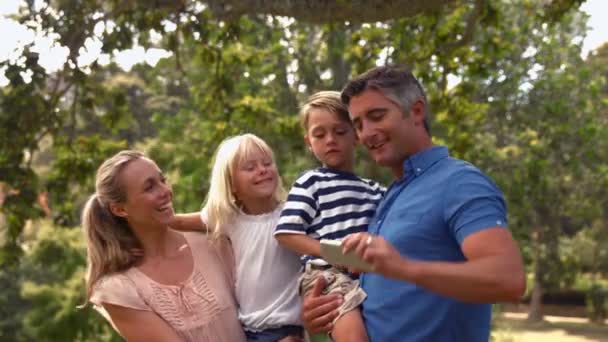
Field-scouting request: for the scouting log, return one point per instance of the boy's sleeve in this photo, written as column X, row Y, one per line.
column 299, row 210
column 380, row 188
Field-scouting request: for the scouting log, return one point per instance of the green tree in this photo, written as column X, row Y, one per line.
column 524, row 110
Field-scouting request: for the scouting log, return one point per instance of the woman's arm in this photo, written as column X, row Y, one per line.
column 137, row 325
column 188, row 222
column 300, row 243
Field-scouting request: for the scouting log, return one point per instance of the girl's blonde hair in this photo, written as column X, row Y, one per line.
column 221, row 204
column 109, row 238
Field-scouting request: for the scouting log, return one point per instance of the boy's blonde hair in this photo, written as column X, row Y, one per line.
column 328, row 100
column 221, row 204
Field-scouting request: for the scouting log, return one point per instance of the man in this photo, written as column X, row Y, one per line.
column 438, row 243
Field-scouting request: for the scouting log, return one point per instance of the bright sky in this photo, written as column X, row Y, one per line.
column 52, row 56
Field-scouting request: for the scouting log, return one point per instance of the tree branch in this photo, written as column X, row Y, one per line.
column 323, row 11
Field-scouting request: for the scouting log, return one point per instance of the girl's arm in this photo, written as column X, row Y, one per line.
column 300, row 243
column 140, row 326
column 189, row 222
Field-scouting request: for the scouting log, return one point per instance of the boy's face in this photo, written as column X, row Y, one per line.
column 330, row 139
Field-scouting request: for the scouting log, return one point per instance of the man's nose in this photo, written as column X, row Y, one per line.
column 364, row 132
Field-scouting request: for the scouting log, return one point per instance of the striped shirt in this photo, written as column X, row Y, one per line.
column 329, row 204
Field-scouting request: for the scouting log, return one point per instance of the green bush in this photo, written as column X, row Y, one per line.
column 597, row 303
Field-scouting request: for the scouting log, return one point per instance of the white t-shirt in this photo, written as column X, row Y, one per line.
column 266, row 273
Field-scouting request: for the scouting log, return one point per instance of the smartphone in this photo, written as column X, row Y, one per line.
column 331, row 251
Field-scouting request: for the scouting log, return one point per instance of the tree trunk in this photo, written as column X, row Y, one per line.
column 535, row 314
column 336, row 45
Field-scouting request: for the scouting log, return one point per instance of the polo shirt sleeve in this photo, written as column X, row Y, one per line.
column 300, row 209
column 472, row 203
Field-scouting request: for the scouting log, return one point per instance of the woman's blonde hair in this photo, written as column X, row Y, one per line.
column 221, row 205
column 109, row 238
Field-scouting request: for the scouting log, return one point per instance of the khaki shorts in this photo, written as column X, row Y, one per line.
column 337, row 282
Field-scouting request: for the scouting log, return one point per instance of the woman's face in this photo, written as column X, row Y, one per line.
column 149, row 195
column 255, row 178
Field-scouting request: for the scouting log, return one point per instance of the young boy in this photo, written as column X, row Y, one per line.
column 329, row 202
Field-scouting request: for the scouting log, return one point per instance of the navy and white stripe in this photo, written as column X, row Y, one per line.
column 329, row 204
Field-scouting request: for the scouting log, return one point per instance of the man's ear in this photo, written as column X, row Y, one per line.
column 418, row 112
column 118, row 210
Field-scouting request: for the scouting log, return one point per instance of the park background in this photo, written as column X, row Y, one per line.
column 511, row 84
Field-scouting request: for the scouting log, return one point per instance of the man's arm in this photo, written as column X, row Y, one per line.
column 319, row 311
column 300, row 243
column 493, row 270
column 137, row 325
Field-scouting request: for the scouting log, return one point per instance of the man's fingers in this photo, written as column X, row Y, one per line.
column 370, row 255
column 317, row 306
column 324, row 322
column 320, row 284
column 350, row 242
column 319, row 312
column 326, row 328
column 362, row 246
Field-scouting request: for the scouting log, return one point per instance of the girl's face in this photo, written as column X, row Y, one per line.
column 149, row 200
column 255, row 178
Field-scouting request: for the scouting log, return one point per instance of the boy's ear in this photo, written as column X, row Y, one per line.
column 118, row 210
column 307, row 141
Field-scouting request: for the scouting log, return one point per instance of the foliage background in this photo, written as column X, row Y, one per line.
column 508, row 88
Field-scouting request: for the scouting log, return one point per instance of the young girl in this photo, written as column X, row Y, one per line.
column 244, row 203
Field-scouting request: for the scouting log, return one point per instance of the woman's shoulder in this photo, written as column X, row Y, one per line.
column 123, row 279
column 206, row 245
column 120, row 288
column 198, row 239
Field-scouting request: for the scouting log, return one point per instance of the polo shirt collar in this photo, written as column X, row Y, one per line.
column 421, row 161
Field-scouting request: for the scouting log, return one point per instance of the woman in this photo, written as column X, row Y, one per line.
column 181, row 289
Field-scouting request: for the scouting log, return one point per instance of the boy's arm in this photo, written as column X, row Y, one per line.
column 300, row 243
column 188, row 222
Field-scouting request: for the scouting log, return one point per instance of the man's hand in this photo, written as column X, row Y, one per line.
column 383, row 257
column 319, row 311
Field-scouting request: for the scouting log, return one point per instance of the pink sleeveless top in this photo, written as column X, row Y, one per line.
column 202, row 308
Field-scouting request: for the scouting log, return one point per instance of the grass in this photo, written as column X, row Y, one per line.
column 515, row 328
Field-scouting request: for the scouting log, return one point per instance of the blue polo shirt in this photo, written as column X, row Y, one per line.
column 426, row 215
